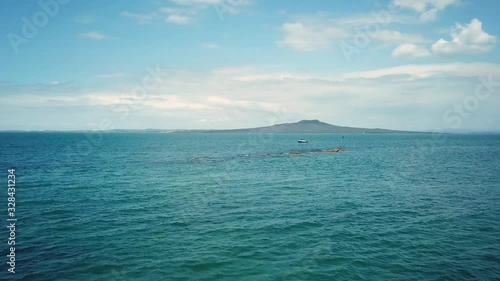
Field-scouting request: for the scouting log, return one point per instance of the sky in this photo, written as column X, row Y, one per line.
column 217, row 64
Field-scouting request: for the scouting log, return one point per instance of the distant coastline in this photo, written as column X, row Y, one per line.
column 301, row 127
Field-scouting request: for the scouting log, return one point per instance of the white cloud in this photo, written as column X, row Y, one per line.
column 305, row 37
column 179, row 16
column 393, row 36
column 429, row 15
column 176, row 11
column 178, row 19
column 466, row 40
column 381, row 18
column 409, row 50
column 308, row 33
column 175, row 102
column 427, row 9
column 400, row 97
column 429, row 70
column 94, row 35
column 195, row 7
column 241, row 104
column 183, row 12
column 312, row 32
column 209, row 46
column 140, row 18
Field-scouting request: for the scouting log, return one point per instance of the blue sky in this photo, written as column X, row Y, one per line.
column 99, row 64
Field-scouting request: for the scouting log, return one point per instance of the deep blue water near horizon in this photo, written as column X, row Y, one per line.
column 152, row 206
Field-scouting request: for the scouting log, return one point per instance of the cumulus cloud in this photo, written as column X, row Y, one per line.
column 312, row 32
column 466, row 40
column 470, row 39
column 307, row 37
column 410, row 51
column 427, row 9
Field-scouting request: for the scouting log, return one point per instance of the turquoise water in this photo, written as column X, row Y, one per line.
column 151, row 206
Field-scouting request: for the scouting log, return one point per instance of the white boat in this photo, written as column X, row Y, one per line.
column 302, row 141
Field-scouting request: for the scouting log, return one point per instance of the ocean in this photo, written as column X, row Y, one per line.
column 189, row 206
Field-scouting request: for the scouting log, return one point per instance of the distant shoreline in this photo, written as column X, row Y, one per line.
column 301, row 127
column 160, row 131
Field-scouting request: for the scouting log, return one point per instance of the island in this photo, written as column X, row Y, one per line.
column 306, row 126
